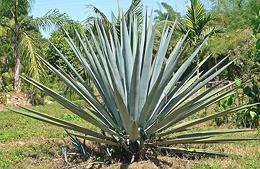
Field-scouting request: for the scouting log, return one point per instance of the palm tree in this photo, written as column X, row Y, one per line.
column 197, row 25
column 14, row 16
column 197, row 21
column 136, row 7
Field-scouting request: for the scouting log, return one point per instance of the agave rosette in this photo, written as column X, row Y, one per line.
column 146, row 96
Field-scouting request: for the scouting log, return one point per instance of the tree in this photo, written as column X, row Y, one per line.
column 236, row 21
column 14, row 16
column 166, row 13
column 197, row 21
column 135, row 7
column 196, row 24
column 5, row 49
column 58, row 38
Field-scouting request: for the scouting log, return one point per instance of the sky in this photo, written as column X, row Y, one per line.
column 77, row 9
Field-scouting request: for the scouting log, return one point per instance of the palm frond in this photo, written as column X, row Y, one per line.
column 50, row 20
column 30, row 48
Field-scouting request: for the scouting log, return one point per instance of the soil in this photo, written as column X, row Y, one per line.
column 13, row 99
column 161, row 162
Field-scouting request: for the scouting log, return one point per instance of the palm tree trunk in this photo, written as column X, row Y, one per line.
column 17, row 67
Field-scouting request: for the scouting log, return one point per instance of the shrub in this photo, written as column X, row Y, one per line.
column 7, row 81
column 144, row 99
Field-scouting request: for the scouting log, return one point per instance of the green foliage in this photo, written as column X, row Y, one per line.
column 70, row 117
column 256, row 30
column 24, row 39
column 196, row 22
column 37, row 99
column 225, row 20
column 224, row 104
column 250, row 117
column 58, row 42
column 57, row 38
column 143, row 98
column 170, row 14
column 14, row 128
column 6, row 81
column 136, row 6
column 236, row 18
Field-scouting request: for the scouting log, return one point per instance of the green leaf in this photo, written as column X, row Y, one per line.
column 258, row 44
column 253, row 114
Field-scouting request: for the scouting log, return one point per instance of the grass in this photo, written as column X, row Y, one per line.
column 27, row 142
column 244, row 155
column 40, row 151
column 16, row 127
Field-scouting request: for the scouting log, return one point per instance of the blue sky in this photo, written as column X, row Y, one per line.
column 77, row 10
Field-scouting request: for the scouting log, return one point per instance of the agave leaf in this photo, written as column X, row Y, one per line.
column 217, row 141
column 185, row 83
column 83, row 92
column 186, row 80
column 119, row 60
column 146, row 68
column 59, row 123
column 176, row 101
column 133, row 135
column 159, row 58
column 214, row 132
column 87, row 53
column 102, row 61
column 111, row 60
column 134, row 89
column 102, row 141
column 117, row 94
column 173, row 102
column 143, row 39
column 92, row 101
column 91, row 71
column 124, row 114
column 152, row 103
column 182, row 69
column 174, row 56
column 67, row 63
column 101, row 78
column 178, row 141
column 68, row 104
column 144, row 114
column 196, row 151
column 187, row 110
column 126, row 52
column 94, row 76
column 206, row 118
column 104, row 89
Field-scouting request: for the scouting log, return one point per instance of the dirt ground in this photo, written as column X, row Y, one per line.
column 159, row 163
